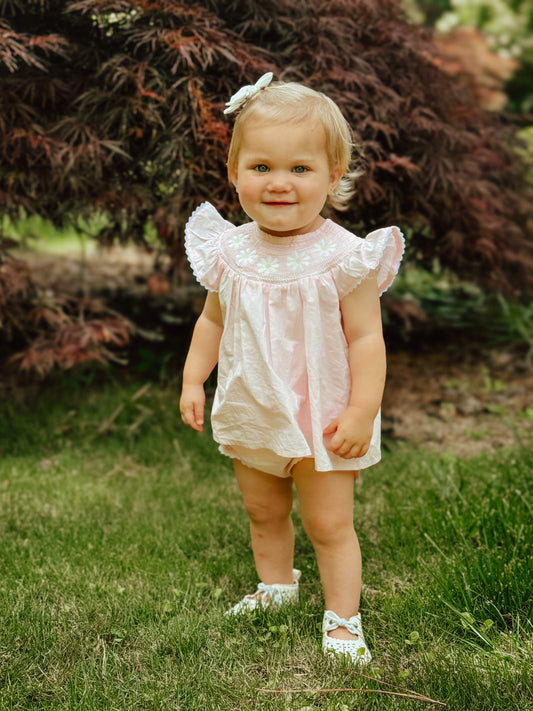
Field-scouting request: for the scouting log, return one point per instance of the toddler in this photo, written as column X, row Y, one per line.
column 292, row 317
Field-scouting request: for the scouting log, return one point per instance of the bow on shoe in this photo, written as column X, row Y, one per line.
column 263, row 594
column 267, row 592
column 238, row 100
column 332, row 621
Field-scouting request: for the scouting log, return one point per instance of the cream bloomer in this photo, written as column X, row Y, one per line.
column 264, row 460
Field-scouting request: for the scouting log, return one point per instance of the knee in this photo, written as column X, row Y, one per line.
column 326, row 529
column 271, row 511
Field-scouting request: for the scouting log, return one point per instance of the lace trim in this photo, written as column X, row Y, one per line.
column 188, row 249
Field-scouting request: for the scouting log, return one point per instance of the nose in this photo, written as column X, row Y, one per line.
column 279, row 181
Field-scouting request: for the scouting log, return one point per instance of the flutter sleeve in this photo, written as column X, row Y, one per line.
column 381, row 251
column 202, row 244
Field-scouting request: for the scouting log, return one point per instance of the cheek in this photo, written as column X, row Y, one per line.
column 249, row 190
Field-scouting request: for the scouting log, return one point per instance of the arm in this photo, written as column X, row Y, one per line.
column 201, row 359
column 350, row 433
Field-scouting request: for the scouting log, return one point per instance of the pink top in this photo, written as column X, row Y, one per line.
column 283, row 372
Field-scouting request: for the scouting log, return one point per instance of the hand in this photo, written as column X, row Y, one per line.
column 349, row 435
column 192, row 403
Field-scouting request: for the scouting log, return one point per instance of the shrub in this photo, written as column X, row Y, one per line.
column 117, row 105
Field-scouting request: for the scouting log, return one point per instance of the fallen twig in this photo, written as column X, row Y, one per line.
column 422, row 697
column 107, row 425
column 141, row 392
column 410, row 695
column 128, row 467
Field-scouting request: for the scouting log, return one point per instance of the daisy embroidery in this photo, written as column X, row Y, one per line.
column 246, row 256
column 324, row 247
column 239, row 240
column 297, row 262
column 268, row 265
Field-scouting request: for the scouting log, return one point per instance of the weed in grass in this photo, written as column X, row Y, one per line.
column 490, row 384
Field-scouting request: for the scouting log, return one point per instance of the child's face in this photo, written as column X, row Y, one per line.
column 283, row 176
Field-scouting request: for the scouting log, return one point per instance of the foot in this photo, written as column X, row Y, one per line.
column 272, row 596
column 348, row 639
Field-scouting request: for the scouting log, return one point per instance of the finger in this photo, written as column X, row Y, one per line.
column 358, row 450
column 338, row 445
column 353, row 453
column 346, row 449
column 188, row 416
column 364, row 449
column 332, row 442
column 331, row 428
column 198, row 417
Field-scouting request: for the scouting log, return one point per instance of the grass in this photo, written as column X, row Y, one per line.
column 124, row 540
column 77, row 234
column 36, row 234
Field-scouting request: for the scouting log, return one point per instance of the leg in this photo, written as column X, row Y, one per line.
column 268, row 501
column 326, row 504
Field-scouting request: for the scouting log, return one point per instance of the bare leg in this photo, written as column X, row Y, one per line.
column 326, row 504
column 268, row 501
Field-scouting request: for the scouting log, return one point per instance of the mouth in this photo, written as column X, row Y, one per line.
column 277, row 203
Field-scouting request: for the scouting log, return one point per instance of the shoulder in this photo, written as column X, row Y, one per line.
column 344, row 240
column 380, row 251
column 203, row 231
column 206, row 222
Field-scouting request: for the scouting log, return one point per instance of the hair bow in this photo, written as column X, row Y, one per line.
column 238, row 100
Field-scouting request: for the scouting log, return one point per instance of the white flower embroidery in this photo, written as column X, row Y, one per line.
column 298, row 261
column 324, row 247
column 246, row 256
column 268, row 265
column 239, row 240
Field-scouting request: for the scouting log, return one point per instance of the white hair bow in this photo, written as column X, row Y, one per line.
column 238, row 100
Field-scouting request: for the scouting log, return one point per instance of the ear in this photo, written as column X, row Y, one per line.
column 334, row 178
column 232, row 175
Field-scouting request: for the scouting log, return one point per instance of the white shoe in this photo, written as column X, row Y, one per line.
column 355, row 649
column 273, row 596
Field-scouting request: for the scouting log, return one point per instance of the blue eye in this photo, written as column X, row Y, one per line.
column 300, row 169
column 262, row 168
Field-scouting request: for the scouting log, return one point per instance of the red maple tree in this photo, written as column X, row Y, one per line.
column 117, row 105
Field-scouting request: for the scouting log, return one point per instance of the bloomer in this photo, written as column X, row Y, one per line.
column 264, row 460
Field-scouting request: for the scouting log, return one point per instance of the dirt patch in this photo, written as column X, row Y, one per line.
column 465, row 403
column 103, row 271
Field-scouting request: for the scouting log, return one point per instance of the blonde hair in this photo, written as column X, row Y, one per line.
column 280, row 102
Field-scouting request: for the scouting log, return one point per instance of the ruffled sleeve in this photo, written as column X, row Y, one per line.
column 381, row 250
column 202, row 244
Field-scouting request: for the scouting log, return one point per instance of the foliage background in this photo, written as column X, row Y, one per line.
column 114, row 107
column 508, row 27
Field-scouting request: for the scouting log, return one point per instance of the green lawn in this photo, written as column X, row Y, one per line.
column 123, row 540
